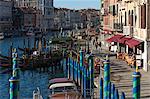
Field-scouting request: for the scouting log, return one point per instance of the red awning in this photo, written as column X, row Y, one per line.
column 114, row 38
column 124, row 39
column 133, row 42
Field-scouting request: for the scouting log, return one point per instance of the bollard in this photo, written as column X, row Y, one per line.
column 81, row 71
column 101, row 88
column 116, row 94
column 106, row 77
column 109, row 90
column 122, row 95
column 136, row 85
column 113, row 91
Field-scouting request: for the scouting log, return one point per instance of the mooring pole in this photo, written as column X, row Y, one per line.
column 106, row 77
column 122, row 95
column 81, row 71
column 116, row 94
column 91, row 73
column 101, row 88
column 14, row 80
column 136, row 85
column 113, row 91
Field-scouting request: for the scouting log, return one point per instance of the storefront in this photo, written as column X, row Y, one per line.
column 128, row 48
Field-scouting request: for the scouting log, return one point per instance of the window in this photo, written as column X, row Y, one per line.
column 143, row 16
column 125, row 19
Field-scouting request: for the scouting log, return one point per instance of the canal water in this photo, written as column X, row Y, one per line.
column 29, row 79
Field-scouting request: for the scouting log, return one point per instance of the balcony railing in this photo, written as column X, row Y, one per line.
column 128, row 30
column 118, row 27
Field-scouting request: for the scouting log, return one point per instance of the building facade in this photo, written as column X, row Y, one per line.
column 132, row 22
column 5, row 15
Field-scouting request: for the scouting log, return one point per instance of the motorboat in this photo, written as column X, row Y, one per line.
column 1, row 35
column 59, row 80
column 65, row 90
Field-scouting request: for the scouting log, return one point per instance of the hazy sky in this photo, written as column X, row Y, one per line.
column 77, row 4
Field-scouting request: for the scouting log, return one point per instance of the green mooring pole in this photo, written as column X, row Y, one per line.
column 136, row 85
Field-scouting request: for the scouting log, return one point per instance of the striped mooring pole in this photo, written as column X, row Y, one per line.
column 81, row 71
column 106, row 77
column 136, row 85
column 14, row 80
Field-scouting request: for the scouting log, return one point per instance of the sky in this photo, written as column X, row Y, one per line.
column 77, row 4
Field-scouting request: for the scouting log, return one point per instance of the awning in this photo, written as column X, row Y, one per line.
column 133, row 42
column 114, row 38
column 124, row 39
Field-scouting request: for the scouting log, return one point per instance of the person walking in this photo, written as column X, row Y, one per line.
column 100, row 45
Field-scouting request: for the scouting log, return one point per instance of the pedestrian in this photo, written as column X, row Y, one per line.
column 96, row 45
column 99, row 45
column 93, row 41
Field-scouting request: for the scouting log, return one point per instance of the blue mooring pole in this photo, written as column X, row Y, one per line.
column 109, row 90
column 122, row 95
column 113, row 91
column 116, row 94
column 106, row 77
column 101, row 88
column 81, row 71
column 91, row 73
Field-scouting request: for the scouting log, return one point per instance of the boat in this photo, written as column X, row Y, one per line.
column 64, row 90
column 60, row 80
column 30, row 33
column 1, row 35
column 8, row 34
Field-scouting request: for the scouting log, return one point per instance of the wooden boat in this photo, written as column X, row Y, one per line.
column 5, row 71
column 7, row 57
column 64, row 91
column 5, row 65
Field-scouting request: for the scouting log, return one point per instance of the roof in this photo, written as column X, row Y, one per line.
column 27, row 10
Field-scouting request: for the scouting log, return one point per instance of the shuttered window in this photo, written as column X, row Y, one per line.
column 143, row 16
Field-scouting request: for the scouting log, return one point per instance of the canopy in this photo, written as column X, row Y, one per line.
column 114, row 38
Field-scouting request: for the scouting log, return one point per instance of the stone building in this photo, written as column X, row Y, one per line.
column 133, row 22
column 5, row 15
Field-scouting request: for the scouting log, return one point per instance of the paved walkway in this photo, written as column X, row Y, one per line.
column 121, row 76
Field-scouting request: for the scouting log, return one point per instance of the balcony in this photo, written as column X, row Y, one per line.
column 128, row 30
column 118, row 27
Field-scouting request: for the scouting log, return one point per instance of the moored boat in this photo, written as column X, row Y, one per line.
column 1, row 35
column 64, row 90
